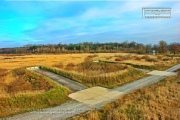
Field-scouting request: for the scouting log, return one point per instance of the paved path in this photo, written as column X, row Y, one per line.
column 72, row 85
column 143, row 70
column 74, row 107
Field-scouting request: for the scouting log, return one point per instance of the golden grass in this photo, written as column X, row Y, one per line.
column 28, row 91
column 157, row 102
column 12, row 62
column 139, row 62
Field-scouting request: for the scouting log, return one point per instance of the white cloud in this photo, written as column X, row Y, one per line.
column 81, row 33
column 116, row 10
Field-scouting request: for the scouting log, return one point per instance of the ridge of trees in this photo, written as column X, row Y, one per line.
column 129, row 47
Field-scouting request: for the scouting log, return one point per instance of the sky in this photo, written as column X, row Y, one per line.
column 25, row 22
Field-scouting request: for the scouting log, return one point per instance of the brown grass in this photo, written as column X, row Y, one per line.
column 13, row 61
column 159, row 101
column 22, row 80
column 118, row 59
column 22, row 90
column 108, row 80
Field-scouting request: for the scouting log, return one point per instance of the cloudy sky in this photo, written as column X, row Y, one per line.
column 43, row 22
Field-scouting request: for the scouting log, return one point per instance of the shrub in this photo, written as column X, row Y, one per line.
column 145, row 57
column 125, row 67
column 166, row 59
column 118, row 59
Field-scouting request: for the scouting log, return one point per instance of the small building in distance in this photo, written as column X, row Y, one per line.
column 153, row 52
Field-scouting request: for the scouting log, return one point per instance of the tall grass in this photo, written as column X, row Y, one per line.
column 149, row 67
column 105, row 81
column 25, row 95
column 152, row 67
column 157, row 102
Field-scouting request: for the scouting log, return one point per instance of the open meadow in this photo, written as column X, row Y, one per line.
column 22, row 90
column 14, row 61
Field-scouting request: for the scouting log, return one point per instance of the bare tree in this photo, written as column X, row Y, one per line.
column 162, row 46
column 174, row 48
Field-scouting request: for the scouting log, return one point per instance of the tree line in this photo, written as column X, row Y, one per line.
column 89, row 47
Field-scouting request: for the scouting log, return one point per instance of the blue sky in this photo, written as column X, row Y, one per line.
column 45, row 22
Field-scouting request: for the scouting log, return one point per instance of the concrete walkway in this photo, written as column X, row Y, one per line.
column 89, row 99
column 72, row 85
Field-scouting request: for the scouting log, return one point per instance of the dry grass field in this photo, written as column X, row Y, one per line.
column 14, row 82
column 10, row 62
column 13, row 61
column 157, row 102
column 22, row 90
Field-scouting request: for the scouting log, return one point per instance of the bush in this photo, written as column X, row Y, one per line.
column 125, row 67
column 166, row 59
column 145, row 57
column 118, row 59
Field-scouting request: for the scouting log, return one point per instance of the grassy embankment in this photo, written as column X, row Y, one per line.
column 109, row 81
column 159, row 102
column 23, row 90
